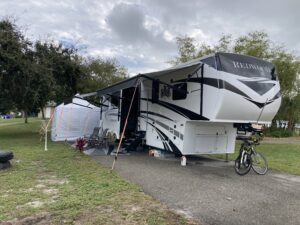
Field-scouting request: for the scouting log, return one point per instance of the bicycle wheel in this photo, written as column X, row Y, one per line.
column 242, row 167
column 259, row 163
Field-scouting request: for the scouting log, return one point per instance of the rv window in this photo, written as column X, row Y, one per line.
column 178, row 95
column 210, row 61
column 155, row 90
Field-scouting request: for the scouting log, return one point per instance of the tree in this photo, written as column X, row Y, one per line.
column 31, row 75
column 10, row 51
column 187, row 50
column 100, row 73
column 44, row 80
column 63, row 67
column 16, row 71
column 290, row 110
column 255, row 43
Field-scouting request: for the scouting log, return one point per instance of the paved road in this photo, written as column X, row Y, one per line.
column 211, row 192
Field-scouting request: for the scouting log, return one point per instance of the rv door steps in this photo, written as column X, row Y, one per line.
column 131, row 144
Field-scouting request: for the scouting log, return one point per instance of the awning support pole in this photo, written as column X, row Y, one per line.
column 125, row 125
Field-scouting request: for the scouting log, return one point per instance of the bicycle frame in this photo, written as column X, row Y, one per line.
column 246, row 156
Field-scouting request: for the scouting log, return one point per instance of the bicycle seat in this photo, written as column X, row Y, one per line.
column 243, row 138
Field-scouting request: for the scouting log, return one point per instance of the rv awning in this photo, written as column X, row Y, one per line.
column 130, row 82
column 187, row 68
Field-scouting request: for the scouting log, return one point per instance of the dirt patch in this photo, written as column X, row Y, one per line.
column 33, row 204
column 133, row 212
column 29, row 190
column 53, row 180
column 38, row 219
column 50, row 191
column 40, row 186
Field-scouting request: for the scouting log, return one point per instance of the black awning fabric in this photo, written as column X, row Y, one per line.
column 187, row 68
column 181, row 69
column 131, row 82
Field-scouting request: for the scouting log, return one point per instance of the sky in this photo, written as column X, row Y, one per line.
column 141, row 34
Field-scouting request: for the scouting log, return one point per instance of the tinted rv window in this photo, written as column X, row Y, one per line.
column 178, row 95
column 246, row 66
column 115, row 99
column 155, row 90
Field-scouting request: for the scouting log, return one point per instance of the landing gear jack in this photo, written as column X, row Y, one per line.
column 183, row 160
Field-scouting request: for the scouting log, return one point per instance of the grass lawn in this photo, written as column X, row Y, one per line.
column 16, row 121
column 280, row 157
column 63, row 186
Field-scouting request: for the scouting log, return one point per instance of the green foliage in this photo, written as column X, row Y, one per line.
column 60, row 70
column 100, row 73
column 277, row 132
column 16, row 77
column 290, row 110
column 288, row 69
column 32, row 74
column 255, row 44
column 224, row 45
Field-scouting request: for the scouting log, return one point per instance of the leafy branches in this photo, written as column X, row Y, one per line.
column 32, row 74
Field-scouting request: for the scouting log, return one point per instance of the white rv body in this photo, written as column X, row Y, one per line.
column 194, row 108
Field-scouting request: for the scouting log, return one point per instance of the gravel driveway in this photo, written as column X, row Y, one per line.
column 211, row 192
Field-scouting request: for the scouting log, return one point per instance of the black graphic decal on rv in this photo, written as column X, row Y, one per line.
column 261, row 87
column 172, row 145
column 162, row 138
column 182, row 111
column 221, row 84
column 166, row 127
column 156, row 114
column 165, row 137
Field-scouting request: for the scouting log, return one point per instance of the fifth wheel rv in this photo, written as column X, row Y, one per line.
column 193, row 108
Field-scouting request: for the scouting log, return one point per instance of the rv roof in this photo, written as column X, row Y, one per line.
column 188, row 68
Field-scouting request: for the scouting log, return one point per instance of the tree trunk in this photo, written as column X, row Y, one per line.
column 26, row 116
column 43, row 113
column 274, row 124
column 290, row 125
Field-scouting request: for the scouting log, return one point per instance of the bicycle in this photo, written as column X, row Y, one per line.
column 249, row 158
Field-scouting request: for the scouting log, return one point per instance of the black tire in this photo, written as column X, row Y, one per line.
column 5, row 156
column 259, row 163
column 242, row 167
column 4, row 165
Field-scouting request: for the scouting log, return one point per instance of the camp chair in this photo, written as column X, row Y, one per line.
column 93, row 139
column 97, row 138
column 103, row 139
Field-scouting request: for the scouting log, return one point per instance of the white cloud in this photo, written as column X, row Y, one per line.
column 142, row 34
